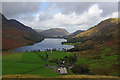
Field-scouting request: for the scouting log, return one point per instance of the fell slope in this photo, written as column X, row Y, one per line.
column 54, row 32
column 15, row 34
column 103, row 32
column 97, row 48
column 74, row 33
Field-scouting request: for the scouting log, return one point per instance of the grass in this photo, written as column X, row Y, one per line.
column 100, row 61
column 107, row 65
column 82, row 61
column 106, row 50
column 59, row 55
column 65, row 43
column 26, row 63
column 55, row 54
column 19, row 68
column 30, row 63
column 42, row 53
column 45, row 72
column 12, row 57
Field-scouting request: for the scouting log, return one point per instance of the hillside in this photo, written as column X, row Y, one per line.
column 103, row 32
column 54, row 32
column 15, row 34
column 75, row 33
column 31, row 65
column 97, row 48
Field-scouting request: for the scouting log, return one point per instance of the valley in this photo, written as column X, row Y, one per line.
column 95, row 51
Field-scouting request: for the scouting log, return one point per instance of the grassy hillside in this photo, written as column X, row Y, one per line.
column 105, row 31
column 102, row 60
column 97, row 48
column 16, row 34
column 75, row 33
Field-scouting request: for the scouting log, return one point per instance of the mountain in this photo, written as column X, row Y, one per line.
column 98, row 48
column 76, row 33
column 16, row 34
column 104, row 31
column 38, row 30
column 54, row 32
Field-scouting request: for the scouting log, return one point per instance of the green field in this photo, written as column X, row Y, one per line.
column 30, row 63
column 67, row 43
column 105, row 63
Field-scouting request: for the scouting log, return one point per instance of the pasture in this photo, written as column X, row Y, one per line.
column 30, row 63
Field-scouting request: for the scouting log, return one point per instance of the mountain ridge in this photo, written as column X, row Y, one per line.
column 16, row 34
column 54, row 32
column 98, row 48
column 104, row 28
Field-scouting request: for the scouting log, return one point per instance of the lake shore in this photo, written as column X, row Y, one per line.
column 47, row 43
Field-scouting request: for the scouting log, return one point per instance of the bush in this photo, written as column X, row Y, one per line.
column 78, row 69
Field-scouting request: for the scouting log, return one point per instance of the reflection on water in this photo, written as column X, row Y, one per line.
column 47, row 43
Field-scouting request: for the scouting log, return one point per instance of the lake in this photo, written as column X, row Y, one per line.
column 47, row 43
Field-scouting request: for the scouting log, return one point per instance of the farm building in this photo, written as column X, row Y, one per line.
column 62, row 70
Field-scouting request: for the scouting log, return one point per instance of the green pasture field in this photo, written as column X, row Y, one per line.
column 69, row 43
column 30, row 63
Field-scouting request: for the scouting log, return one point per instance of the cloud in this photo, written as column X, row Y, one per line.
column 78, row 7
column 71, row 16
column 16, row 9
column 71, row 22
column 108, row 7
column 114, row 15
column 74, row 20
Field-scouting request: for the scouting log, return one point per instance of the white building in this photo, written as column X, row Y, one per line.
column 62, row 70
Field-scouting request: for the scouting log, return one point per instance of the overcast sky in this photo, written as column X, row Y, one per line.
column 68, row 15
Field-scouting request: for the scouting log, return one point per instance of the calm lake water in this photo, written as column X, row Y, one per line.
column 47, row 43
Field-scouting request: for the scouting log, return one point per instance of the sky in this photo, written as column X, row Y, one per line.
column 71, row 16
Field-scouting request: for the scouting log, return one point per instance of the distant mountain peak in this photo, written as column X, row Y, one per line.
column 53, row 32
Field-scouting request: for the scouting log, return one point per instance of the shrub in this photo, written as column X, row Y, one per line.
column 78, row 69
